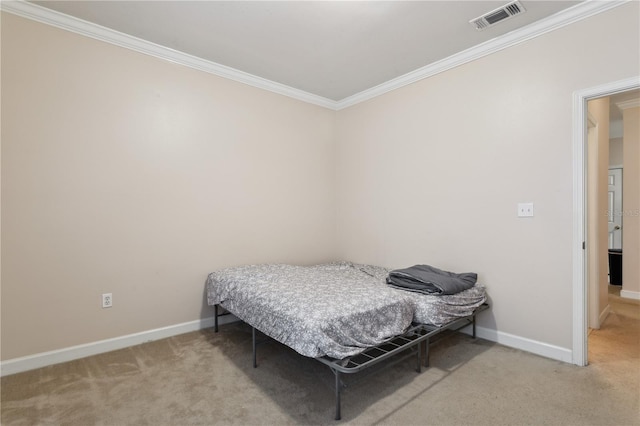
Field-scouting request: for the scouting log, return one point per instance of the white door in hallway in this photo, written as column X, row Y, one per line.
column 614, row 212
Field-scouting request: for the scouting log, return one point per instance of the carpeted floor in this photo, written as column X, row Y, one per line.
column 206, row 378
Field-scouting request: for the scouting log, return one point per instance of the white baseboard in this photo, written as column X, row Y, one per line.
column 31, row 362
column 528, row 345
column 630, row 294
column 603, row 315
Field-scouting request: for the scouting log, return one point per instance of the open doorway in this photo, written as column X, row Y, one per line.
column 582, row 262
column 612, row 129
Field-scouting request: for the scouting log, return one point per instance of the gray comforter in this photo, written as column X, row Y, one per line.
column 336, row 309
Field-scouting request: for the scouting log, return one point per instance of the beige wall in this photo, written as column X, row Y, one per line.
column 127, row 174
column 631, row 204
column 433, row 172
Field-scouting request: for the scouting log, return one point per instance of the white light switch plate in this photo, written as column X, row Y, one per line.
column 525, row 209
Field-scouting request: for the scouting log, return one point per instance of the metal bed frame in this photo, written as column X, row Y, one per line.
column 415, row 341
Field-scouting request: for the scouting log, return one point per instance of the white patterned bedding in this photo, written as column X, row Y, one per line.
column 336, row 309
column 439, row 310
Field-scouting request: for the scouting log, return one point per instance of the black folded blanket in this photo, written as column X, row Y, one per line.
column 430, row 280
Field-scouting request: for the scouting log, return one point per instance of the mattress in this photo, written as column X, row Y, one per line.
column 335, row 310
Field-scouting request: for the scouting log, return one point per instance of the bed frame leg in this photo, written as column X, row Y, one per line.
column 474, row 326
column 419, row 367
column 426, row 353
column 215, row 312
column 338, row 414
column 253, row 338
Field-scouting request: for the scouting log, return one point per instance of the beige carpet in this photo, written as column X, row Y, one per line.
column 206, row 378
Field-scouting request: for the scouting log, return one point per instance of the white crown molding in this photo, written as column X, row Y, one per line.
column 632, row 103
column 47, row 16
column 581, row 11
column 568, row 16
column 98, row 32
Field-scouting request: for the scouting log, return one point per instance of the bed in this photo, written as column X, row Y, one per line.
column 342, row 314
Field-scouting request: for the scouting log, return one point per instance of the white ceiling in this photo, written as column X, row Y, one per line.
column 330, row 49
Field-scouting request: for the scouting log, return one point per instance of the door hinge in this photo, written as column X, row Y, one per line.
column 584, row 246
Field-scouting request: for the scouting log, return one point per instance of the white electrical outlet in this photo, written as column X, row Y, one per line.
column 525, row 209
column 107, row 300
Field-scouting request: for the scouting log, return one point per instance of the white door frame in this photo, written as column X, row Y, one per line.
column 579, row 144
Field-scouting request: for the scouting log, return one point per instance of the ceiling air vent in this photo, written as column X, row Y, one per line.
column 500, row 14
